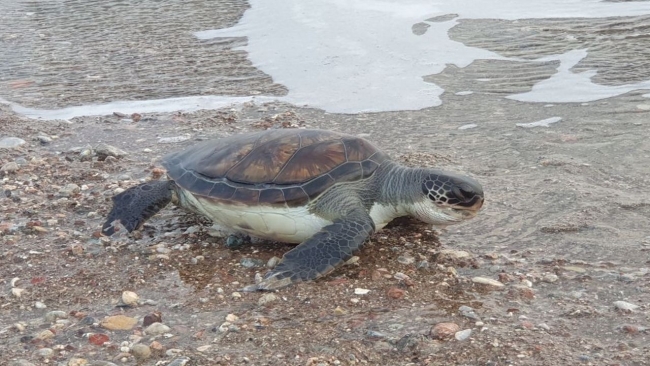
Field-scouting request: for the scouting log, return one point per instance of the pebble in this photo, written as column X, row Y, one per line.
column 204, row 348
column 18, row 292
column 468, row 312
column 45, row 352
column 361, row 291
column 173, row 140
column 468, row 126
column 10, row 142
column 155, row 317
column 10, row 167
column 232, row 318
column 406, row 259
column 454, row 254
column 179, row 362
column 444, row 330
column 43, row 139
column 463, row 334
column 395, row 293
column 273, row 262
column 575, row 269
column 77, row 361
column 487, row 281
column 104, row 150
column 69, row 190
column 98, row 339
column 46, row 334
column 252, row 263
column 266, row 298
column 543, row 123
column 119, row 322
column 550, row 278
column 51, row 316
column 141, row 351
column 130, row 298
column 543, row 326
column 21, row 362
column 157, row 329
column 625, row 306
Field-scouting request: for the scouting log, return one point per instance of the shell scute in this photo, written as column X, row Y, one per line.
column 287, row 166
column 312, row 161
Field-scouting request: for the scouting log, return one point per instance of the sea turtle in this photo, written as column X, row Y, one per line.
column 326, row 190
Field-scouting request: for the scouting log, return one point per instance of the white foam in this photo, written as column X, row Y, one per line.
column 359, row 56
column 128, row 107
column 569, row 87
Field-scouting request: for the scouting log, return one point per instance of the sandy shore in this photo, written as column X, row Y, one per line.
column 564, row 232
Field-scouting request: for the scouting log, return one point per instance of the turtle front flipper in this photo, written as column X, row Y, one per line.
column 137, row 204
column 321, row 254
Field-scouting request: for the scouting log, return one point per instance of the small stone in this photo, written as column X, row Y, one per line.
column 70, row 189
column 10, row 167
column 232, row 318
column 141, row 351
column 98, row 339
column 21, row 362
column 51, row 316
column 130, row 298
column 235, row 295
column 76, row 361
column 252, row 263
column 487, row 281
column 468, row 312
column 406, row 259
column 45, row 352
column 104, row 150
column 118, row 322
column 157, row 329
column 361, row 291
column 273, row 262
column 444, row 330
column 179, row 362
column 266, row 299
column 155, row 317
column 17, row 292
column 468, row 126
column 339, row 311
column 643, row 107
column 173, row 140
column 157, row 346
column 625, row 306
column 575, row 269
column 43, row 139
column 46, row 334
column 543, row 326
column 454, row 254
column 550, row 278
column 204, row 348
column 463, row 334
column 10, row 142
column 395, row 293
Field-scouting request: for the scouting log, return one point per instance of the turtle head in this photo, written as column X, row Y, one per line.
column 447, row 198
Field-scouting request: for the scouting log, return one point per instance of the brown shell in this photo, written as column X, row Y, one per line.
column 274, row 167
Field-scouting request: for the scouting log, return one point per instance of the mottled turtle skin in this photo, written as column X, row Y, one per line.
column 326, row 190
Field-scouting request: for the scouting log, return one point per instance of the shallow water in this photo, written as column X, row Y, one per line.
column 68, row 58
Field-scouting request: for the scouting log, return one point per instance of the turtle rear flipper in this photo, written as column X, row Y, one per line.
column 137, row 204
column 321, row 254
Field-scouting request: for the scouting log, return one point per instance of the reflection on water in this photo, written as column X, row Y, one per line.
column 336, row 55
